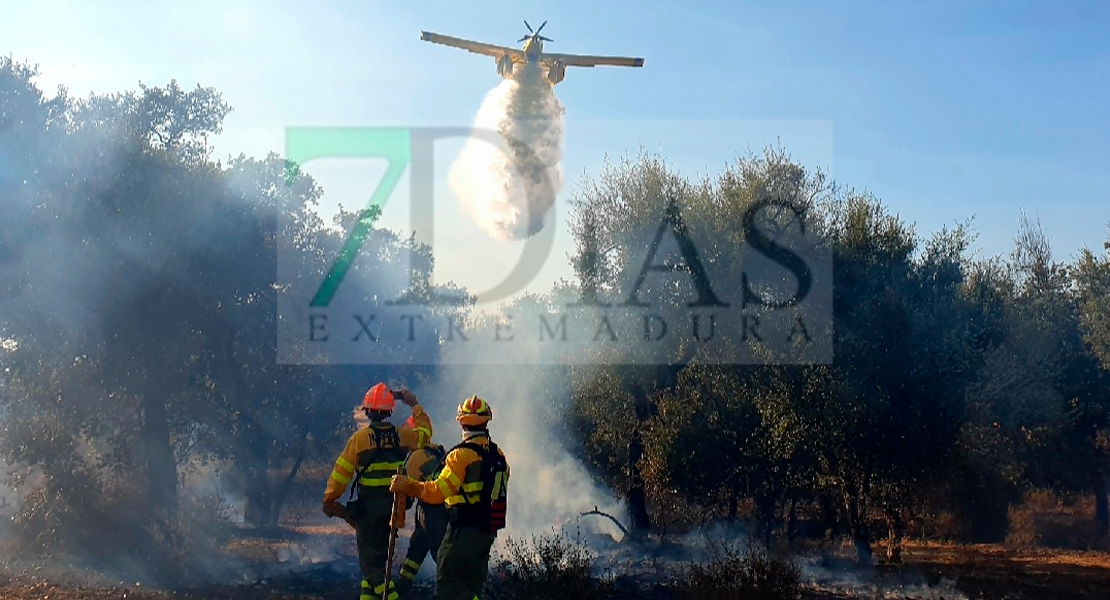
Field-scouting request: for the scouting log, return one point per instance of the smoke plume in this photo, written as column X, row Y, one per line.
column 507, row 189
column 549, row 487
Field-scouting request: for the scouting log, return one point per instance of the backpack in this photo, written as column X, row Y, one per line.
column 489, row 513
column 386, row 441
column 430, row 470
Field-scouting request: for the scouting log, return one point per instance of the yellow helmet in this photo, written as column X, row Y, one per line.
column 474, row 411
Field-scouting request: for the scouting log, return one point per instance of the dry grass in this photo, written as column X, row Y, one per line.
column 739, row 573
column 546, row 567
column 1047, row 520
column 950, row 553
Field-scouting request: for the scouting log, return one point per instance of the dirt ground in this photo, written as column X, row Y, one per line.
column 320, row 564
column 990, row 571
column 935, row 571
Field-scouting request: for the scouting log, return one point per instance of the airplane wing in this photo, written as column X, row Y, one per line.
column 475, row 47
column 579, row 60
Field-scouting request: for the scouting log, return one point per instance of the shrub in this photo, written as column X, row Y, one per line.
column 1022, row 532
column 101, row 520
column 546, row 567
column 732, row 572
column 1048, row 520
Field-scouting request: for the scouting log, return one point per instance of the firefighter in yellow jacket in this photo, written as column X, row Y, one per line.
column 431, row 519
column 372, row 457
column 474, row 486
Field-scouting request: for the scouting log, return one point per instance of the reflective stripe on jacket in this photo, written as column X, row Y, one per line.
column 378, row 465
column 460, row 481
column 363, row 441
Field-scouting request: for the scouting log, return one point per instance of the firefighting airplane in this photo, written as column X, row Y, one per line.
column 531, row 54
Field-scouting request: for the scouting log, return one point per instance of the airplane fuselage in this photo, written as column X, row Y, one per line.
column 533, row 50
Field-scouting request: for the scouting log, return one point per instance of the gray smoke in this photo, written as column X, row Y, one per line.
column 508, row 189
column 549, row 487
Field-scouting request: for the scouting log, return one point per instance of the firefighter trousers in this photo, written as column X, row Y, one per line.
column 372, row 537
column 463, row 563
column 431, row 523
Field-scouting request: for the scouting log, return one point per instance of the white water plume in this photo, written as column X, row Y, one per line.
column 508, row 188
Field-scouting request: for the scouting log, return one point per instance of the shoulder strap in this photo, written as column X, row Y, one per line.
column 497, row 460
column 471, row 446
column 385, row 438
column 360, row 472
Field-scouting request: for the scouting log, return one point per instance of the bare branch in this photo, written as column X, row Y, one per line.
column 597, row 512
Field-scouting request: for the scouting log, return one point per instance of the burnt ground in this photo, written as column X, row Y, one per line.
column 935, row 571
column 987, row 571
column 319, row 563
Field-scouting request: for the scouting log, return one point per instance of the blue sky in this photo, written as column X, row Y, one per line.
column 945, row 110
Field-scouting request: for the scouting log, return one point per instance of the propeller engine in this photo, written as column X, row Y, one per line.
column 535, row 34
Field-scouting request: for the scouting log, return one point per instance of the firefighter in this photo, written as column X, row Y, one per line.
column 474, row 486
column 431, row 519
column 372, row 456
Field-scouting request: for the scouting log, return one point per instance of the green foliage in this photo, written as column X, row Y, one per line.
column 1092, row 277
column 602, row 415
column 957, row 382
column 138, row 318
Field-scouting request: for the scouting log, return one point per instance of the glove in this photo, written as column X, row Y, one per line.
column 334, row 509
column 409, row 398
column 402, row 484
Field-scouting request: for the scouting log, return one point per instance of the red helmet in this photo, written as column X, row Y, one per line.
column 378, row 398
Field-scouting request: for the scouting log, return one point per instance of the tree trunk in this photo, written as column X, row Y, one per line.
column 733, row 503
column 1102, row 505
column 856, row 511
column 791, row 522
column 828, row 516
column 894, row 535
column 161, row 464
column 282, row 493
column 637, row 495
column 255, row 468
column 861, row 537
column 640, row 382
column 252, row 441
column 257, row 511
column 765, row 518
